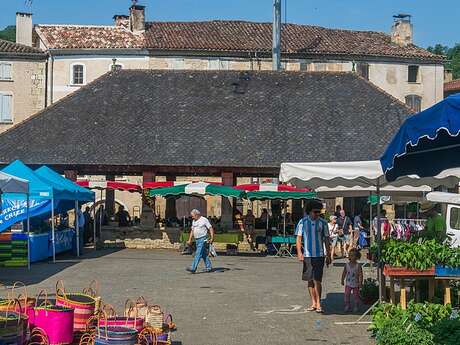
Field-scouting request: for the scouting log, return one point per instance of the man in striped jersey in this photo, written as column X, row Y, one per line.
column 313, row 250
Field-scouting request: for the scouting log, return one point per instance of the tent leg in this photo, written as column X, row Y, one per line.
column 52, row 230
column 100, row 218
column 77, row 229
column 28, row 233
column 371, row 220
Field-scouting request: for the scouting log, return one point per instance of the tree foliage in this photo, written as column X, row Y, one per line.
column 453, row 57
column 8, row 33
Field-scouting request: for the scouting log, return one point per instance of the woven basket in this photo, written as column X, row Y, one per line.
column 155, row 317
column 83, row 304
column 108, row 317
column 13, row 328
column 56, row 321
column 38, row 337
column 115, row 335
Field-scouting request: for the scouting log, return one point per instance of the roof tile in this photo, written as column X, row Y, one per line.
column 11, row 48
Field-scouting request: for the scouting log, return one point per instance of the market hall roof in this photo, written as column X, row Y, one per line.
column 231, row 37
column 11, row 49
column 209, row 119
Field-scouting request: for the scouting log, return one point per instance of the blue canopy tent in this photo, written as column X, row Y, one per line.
column 427, row 143
column 40, row 190
column 76, row 192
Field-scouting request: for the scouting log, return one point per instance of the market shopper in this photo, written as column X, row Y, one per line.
column 334, row 236
column 352, row 279
column 435, row 227
column 313, row 233
column 203, row 233
column 357, row 228
column 345, row 229
column 249, row 228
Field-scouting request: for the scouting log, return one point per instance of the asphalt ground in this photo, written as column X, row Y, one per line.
column 251, row 300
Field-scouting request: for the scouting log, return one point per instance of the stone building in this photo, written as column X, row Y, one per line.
column 79, row 53
column 22, row 81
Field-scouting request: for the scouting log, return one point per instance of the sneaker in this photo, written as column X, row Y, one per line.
column 188, row 269
column 207, row 270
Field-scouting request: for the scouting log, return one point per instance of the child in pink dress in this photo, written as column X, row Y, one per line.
column 352, row 278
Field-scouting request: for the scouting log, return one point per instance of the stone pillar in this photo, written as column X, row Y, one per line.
column 71, row 174
column 226, row 205
column 110, row 198
column 170, row 211
column 148, row 210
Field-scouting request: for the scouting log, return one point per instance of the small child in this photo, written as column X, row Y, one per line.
column 352, row 278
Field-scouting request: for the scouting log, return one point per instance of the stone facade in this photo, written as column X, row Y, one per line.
column 27, row 87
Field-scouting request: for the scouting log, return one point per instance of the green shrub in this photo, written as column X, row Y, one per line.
column 395, row 332
column 447, row 332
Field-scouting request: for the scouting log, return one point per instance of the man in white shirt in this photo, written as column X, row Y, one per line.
column 200, row 229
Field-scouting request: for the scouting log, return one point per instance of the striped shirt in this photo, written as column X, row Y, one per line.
column 313, row 232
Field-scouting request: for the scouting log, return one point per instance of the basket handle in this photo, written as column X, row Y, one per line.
column 60, row 288
column 154, row 307
column 141, row 301
column 38, row 333
column 13, row 303
column 104, row 317
column 108, row 308
column 21, row 284
column 87, row 339
column 45, row 302
column 93, row 289
column 130, row 306
column 150, row 332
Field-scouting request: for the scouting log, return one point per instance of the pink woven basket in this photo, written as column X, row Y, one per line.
column 56, row 321
column 111, row 319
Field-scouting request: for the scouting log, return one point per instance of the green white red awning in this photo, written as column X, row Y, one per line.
column 198, row 188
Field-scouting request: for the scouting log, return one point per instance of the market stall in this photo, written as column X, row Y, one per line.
column 47, row 196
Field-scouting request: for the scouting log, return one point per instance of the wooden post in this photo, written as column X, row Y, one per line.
column 447, row 299
column 392, row 290
column 417, row 290
column 431, row 286
column 403, row 297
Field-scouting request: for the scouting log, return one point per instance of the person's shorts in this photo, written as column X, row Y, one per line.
column 313, row 269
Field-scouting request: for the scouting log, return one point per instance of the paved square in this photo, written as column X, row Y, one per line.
column 249, row 300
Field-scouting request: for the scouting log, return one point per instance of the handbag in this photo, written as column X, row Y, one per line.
column 83, row 304
column 212, row 250
column 155, row 317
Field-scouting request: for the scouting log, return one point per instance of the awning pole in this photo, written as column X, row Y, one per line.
column 381, row 278
column 77, row 228
column 371, row 220
column 28, row 233
column 100, row 218
column 52, row 230
column 94, row 221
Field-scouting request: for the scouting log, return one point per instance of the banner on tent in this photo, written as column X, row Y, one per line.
column 14, row 211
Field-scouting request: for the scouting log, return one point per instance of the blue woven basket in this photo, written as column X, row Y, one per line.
column 115, row 335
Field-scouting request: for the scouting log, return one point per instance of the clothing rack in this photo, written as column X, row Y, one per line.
column 417, row 220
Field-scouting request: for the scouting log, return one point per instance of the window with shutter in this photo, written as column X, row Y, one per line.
column 412, row 74
column 363, row 70
column 5, row 108
column 414, row 102
column 5, row 71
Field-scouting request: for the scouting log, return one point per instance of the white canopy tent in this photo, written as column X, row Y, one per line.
column 12, row 184
column 397, row 194
column 364, row 174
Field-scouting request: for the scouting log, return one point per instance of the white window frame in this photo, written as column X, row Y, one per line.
column 11, row 121
column 11, row 71
column 71, row 81
column 118, row 63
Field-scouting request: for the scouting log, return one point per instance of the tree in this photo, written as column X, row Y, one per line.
column 9, row 33
column 438, row 49
column 453, row 57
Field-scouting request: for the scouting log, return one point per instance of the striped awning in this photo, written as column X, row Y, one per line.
column 115, row 185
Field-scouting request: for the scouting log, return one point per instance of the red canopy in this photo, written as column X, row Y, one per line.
column 152, row 185
column 251, row 187
column 122, row 186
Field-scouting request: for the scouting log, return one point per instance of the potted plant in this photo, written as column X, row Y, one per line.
column 370, row 291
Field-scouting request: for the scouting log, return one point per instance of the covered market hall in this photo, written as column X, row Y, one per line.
column 225, row 127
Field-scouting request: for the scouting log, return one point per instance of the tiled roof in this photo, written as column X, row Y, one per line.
column 88, row 37
column 11, row 48
column 210, row 119
column 231, row 36
column 453, row 85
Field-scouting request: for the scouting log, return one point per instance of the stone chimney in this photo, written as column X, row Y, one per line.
column 137, row 18
column 24, row 28
column 121, row 20
column 402, row 30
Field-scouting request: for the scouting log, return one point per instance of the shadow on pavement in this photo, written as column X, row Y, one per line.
column 40, row 271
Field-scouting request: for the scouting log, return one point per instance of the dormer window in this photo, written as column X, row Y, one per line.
column 77, row 74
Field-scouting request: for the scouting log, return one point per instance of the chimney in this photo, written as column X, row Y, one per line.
column 402, row 30
column 137, row 18
column 121, row 20
column 24, row 28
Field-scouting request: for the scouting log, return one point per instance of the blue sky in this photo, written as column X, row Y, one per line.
column 434, row 21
